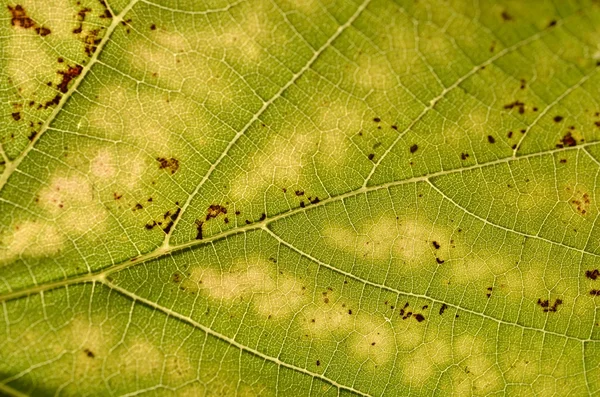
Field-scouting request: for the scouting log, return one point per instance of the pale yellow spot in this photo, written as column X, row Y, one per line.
column 30, row 239
column 375, row 72
column 479, row 375
column 336, row 123
column 425, row 361
column 373, row 341
column 281, row 164
column 324, row 319
column 413, row 242
column 151, row 123
column 139, row 358
column 29, row 64
column 522, row 366
column 71, row 201
column 286, row 298
column 273, row 295
column 104, row 165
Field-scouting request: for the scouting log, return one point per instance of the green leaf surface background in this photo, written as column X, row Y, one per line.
column 316, row 197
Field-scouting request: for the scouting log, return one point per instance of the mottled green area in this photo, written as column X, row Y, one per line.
column 299, row 197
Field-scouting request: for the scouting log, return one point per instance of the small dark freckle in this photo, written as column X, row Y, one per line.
column 153, row 27
column 350, row 311
column 443, row 308
column 464, row 156
column 436, row 245
column 456, row 316
column 491, row 139
column 419, row 317
column 506, row 16
column 414, row 148
column 226, row 220
column 562, row 161
column 371, row 156
column 523, row 131
column 535, row 109
column 483, row 67
column 16, row 116
column 237, row 212
column 514, row 146
column 439, row 261
column 510, row 134
column 263, row 217
column 395, row 127
column 89, row 353
column 425, row 307
column 552, row 23
column 558, row 119
column 318, row 363
column 248, row 222
column 376, row 119
column 372, row 343
column 302, row 205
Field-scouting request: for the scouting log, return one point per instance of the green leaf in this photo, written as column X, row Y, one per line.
column 299, row 197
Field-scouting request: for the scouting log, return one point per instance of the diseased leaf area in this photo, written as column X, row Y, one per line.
column 299, row 197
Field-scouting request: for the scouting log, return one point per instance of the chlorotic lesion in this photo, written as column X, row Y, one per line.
column 274, row 295
column 412, row 241
column 29, row 238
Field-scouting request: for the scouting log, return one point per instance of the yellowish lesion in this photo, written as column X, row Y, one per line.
column 427, row 360
column 273, row 294
column 412, row 241
column 29, row 238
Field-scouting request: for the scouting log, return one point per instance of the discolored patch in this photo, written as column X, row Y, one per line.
column 30, row 239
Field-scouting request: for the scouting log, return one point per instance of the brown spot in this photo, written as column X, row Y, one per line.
column 592, row 274
column 395, row 127
column 510, row 134
column 215, row 210
column 516, row 104
column 523, row 84
column 153, row 27
column 299, row 193
column 171, row 164
column 376, row 119
column 439, row 261
column 32, row 136
column 371, row 156
column 597, row 124
column 263, row 216
column 489, row 293
column 170, row 218
column 545, row 304
column 506, row 16
column 419, row 317
column 595, row 292
column 16, row 116
column 19, row 18
column 414, row 148
column 562, row 161
column 464, row 156
column 567, row 140
column 491, row 139
column 552, row 23
column 436, row 245
column 67, row 76
column 558, row 119
column 91, row 41
column 89, row 353
column 318, row 363
column 199, row 224
column 52, row 102
column 176, row 277
column 117, row 196
column 443, row 308
column 137, row 207
column 314, row 201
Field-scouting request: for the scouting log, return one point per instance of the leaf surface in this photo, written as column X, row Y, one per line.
column 299, row 198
